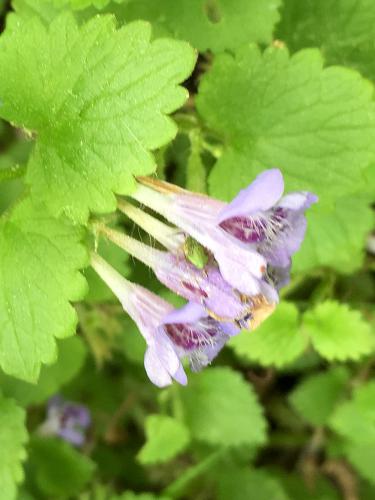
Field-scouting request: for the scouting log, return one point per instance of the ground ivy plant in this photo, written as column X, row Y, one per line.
column 187, row 250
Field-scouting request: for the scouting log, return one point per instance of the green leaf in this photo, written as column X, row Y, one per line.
column 80, row 4
column 98, row 100
column 252, row 484
column 13, row 436
column 195, row 168
column 336, row 235
column 316, row 396
column 297, row 489
column 48, row 10
column 71, row 355
column 131, row 341
column 221, row 408
column 39, row 258
column 362, row 457
column 166, row 437
column 58, row 469
column 343, row 29
column 355, row 419
column 338, row 332
column 277, row 341
column 27, row 9
column 271, row 109
column 214, row 25
column 129, row 495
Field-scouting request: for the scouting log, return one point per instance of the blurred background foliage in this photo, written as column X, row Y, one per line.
column 286, row 412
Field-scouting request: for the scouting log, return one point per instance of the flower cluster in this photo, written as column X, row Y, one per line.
column 67, row 420
column 227, row 260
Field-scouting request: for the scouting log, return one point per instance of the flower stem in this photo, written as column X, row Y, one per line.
column 110, row 276
column 164, row 234
column 146, row 254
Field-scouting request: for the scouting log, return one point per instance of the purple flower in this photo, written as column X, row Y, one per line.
column 205, row 287
column 196, row 215
column 67, row 420
column 170, row 334
column 258, row 231
column 273, row 225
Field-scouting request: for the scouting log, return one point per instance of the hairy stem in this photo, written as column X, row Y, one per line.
column 164, row 234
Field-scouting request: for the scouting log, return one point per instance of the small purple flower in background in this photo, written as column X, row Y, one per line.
column 170, row 334
column 67, row 420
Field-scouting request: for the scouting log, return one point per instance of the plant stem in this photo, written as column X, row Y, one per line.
column 177, row 488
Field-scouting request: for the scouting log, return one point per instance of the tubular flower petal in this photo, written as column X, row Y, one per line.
column 170, row 335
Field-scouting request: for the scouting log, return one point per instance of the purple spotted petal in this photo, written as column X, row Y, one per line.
column 200, row 341
column 264, row 192
column 198, row 338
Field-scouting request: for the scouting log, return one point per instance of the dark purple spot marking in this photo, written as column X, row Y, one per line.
column 191, row 337
column 195, row 290
column 245, row 229
column 256, row 229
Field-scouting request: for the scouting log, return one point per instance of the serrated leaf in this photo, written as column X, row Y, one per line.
column 221, row 408
column 210, row 24
column 316, row 396
column 98, row 100
column 58, row 469
column 336, row 235
column 273, row 109
column 39, row 259
column 251, row 484
column 13, row 436
column 355, row 419
column 48, row 10
column 166, row 437
column 338, row 332
column 27, row 9
column 343, row 29
column 71, row 355
column 277, row 341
